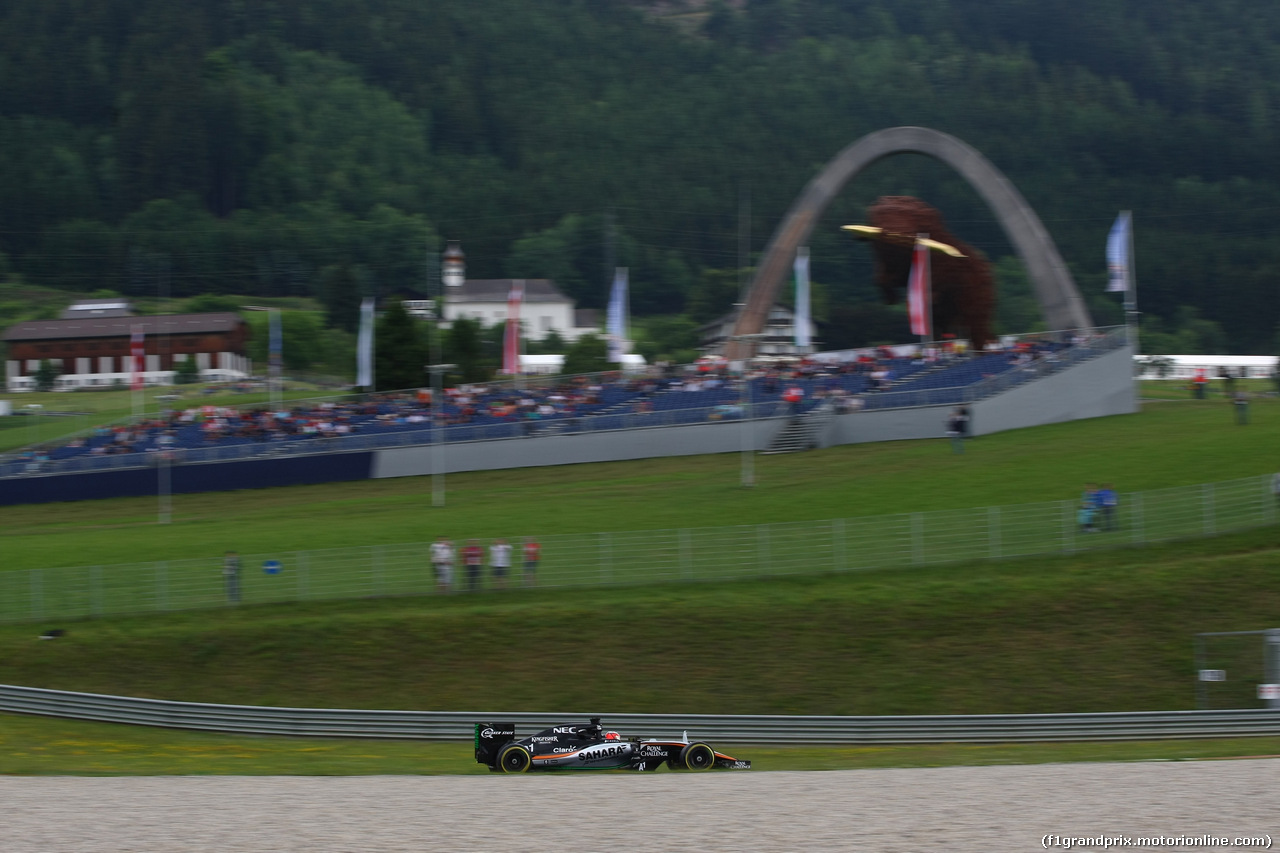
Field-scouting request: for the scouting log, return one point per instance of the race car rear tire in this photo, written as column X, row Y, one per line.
column 513, row 759
column 697, row 756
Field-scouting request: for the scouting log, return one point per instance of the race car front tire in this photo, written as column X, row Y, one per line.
column 513, row 759
column 697, row 756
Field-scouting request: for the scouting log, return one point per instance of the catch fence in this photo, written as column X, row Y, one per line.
column 646, row 556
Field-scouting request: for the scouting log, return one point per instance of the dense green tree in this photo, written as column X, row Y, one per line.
column 464, row 347
column 217, row 146
column 46, row 374
column 340, row 290
column 400, row 353
column 589, row 354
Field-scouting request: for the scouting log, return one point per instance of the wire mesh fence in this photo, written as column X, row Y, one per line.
column 646, row 556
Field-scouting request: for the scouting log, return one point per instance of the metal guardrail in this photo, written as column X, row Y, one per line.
column 458, row 725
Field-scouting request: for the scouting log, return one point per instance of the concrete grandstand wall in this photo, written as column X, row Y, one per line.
column 572, row 448
column 1092, row 389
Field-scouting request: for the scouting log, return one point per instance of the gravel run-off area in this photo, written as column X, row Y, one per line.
column 1005, row 808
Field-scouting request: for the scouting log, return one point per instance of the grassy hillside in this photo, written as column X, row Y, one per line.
column 1101, row 632
column 1168, row 444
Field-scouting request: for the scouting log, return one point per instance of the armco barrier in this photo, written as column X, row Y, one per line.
column 458, row 725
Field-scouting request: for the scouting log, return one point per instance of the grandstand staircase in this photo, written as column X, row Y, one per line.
column 802, row 432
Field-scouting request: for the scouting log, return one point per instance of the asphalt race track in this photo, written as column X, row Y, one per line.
column 1007, row 808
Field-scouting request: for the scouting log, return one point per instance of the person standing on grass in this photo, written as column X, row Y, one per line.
column 442, row 563
column 231, row 575
column 473, row 558
column 532, row 553
column 1107, row 501
column 499, row 562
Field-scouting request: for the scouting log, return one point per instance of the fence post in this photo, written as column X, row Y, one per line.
column 37, row 596
column 1136, row 518
column 1270, row 496
column 686, row 557
column 837, row 543
column 1207, row 491
column 917, row 538
column 993, row 530
column 304, row 580
column 95, row 590
column 162, row 595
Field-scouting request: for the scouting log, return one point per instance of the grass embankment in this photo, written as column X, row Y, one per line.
column 1109, row 631
column 1167, row 444
column 1099, row 632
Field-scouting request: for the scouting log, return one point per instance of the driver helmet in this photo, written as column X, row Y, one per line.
column 612, row 736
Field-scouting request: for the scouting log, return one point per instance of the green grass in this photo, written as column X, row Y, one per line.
column 1108, row 630
column 38, row 746
column 1105, row 631
column 1165, row 445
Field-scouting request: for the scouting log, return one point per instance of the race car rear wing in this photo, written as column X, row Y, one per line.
column 489, row 739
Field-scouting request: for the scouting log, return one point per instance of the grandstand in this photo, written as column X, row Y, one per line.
column 688, row 411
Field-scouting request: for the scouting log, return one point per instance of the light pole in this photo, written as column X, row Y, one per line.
column 748, row 417
column 438, row 434
column 274, row 355
column 453, row 273
column 33, row 412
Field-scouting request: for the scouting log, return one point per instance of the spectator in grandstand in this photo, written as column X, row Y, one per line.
column 231, row 576
column 499, row 562
column 473, row 559
column 442, row 563
column 532, row 554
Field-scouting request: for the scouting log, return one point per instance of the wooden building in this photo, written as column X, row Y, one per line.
column 96, row 350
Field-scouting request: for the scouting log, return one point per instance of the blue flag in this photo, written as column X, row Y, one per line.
column 616, row 318
column 1118, row 254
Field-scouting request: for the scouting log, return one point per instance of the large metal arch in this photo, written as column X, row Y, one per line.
column 1056, row 291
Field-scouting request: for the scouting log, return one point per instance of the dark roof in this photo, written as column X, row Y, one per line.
column 498, row 289
column 116, row 327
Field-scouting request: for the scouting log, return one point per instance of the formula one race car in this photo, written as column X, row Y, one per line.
column 590, row 747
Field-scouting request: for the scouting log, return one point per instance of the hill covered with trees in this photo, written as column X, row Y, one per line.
column 308, row 147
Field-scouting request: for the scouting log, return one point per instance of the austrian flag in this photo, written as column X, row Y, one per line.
column 137, row 356
column 919, row 296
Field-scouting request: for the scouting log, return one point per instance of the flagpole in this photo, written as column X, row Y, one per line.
column 1131, row 292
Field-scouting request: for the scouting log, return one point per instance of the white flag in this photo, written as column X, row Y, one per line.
column 802, row 298
column 364, row 346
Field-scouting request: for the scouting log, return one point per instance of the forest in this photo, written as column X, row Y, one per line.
column 326, row 148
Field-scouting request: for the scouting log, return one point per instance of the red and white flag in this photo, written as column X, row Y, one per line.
column 511, row 341
column 919, row 295
column 137, row 356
